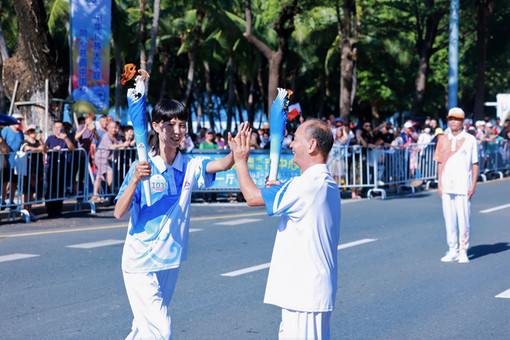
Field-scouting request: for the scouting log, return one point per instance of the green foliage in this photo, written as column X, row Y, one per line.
column 386, row 62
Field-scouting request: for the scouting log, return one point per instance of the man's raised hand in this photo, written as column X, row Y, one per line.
column 240, row 145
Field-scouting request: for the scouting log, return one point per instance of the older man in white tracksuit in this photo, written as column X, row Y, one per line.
column 457, row 157
column 303, row 273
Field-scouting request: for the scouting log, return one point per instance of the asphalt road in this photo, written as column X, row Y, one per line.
column 65, row 281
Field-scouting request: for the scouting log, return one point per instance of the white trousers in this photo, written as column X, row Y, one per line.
column 297, row 325
column 457, row 211
column 149, row 295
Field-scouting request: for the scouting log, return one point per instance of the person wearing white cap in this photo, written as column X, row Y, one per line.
column 457, row 157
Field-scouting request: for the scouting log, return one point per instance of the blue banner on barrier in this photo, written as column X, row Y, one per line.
column 258, row 165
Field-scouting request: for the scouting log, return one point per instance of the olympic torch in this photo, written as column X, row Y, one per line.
column 277, row 123
column 138, row 116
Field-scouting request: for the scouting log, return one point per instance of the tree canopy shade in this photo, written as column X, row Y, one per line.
column 359, row 59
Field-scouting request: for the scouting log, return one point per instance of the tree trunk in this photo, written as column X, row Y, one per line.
column 192, row 55
column 154, row 35
column 248, row 88
column 231, row 84
column 426, row 37
column 143, row 36
column 118, row 60
column 348, row 56
column 284, row 27
column 420, row 83
column 208, row 90
column 262, row 92
column 484, row 12
column 199, row 112
column 34, row 61
column 166, row 61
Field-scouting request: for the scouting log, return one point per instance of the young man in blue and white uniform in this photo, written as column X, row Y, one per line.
column 157, row 236
column 303, row 273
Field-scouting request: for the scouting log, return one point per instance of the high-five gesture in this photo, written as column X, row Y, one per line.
column 240, row 145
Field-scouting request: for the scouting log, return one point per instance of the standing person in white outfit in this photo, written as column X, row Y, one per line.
column 157, row 236
column 303, row 273
column 457, row 157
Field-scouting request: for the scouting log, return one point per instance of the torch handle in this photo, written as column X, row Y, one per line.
column 273, row 166
column 142, row 156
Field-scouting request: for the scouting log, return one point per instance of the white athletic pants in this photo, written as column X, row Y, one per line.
column 149, row 295
column 297, row 325
column 456, row 211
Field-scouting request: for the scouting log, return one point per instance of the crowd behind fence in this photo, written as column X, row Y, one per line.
column 56, row 176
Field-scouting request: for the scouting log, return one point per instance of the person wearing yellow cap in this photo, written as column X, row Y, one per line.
column 457, row 169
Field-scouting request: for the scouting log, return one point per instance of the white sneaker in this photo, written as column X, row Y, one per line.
column 463, row 258
column 451, row 255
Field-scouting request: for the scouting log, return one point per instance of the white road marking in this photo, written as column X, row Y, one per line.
column 247, row 270
column 12, row 257
column 356, row 243
column 504, row 295
column 266, row 265
column 495, row 209
column 104, row 243
column 96, row 244
column 237, row 222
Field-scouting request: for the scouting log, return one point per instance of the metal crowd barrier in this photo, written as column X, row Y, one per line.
column 111, row 167
column 494, row 159
column 43, row 177
column 377, row 168
column 35, row 178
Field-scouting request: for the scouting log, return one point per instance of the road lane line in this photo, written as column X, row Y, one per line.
column 97, row 244
column 37, row 233
column 12, row 257
column 227, row 216
column 356, row 243
column 237, row 222
column 266, row 265
column 247, row 270
column 504, row 295
column 105, row 243
column 495, row 209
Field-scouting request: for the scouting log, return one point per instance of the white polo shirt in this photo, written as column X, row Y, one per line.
column 303, row 271
column 458, row 154
column 157, row 237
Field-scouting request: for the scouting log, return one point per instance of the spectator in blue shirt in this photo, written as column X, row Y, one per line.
column 13, row 137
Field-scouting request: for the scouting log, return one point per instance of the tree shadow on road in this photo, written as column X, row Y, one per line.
column 486, row 249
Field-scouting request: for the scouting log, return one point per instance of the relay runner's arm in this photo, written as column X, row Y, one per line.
column 241, row 148
column 225, row 163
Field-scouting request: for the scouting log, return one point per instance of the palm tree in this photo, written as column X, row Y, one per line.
column 283, row 26
column 35, row 59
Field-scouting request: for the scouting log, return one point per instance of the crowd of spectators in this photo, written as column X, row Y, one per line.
column 63, row 156
column 98, row 140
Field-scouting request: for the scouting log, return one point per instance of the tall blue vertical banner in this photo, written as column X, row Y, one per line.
column 453, row 55
column 90, row 30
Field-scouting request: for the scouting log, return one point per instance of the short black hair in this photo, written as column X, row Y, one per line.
column 168, row 109
column 164, row 111
column 319, row 131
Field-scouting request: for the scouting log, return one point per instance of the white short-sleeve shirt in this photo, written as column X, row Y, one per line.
column 157, row 237
column 458, row 153
column 303, row 271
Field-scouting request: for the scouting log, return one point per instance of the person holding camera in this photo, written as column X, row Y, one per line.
column 58, row 144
